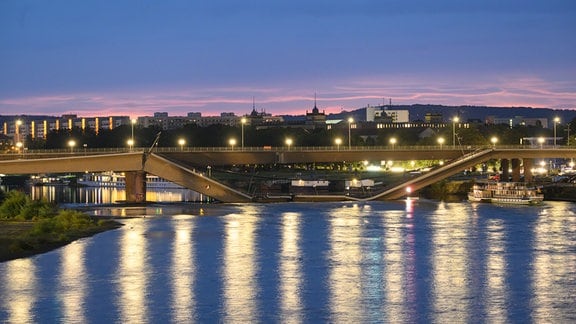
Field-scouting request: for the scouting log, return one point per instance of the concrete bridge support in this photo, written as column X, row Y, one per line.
column 528, row 164
column 135, row 186
column 505, row 165
column 515, row 170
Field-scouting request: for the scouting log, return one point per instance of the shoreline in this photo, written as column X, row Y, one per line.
column 16, row 244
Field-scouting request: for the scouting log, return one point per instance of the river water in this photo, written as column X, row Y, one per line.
column 409, row 261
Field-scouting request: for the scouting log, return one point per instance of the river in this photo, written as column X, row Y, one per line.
column 409, row 261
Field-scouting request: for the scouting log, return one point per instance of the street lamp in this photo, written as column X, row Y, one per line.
column 242, row 122
column 232, row 142
column 494, row 140
column 556, row 121
column 350, row 121
column 338, row 142
column 19, row 146
column 71, row 143
column 454, row 121
column 541, row 141
column 181, row 142
column 441, row 142
column 289, row 143
column 130, row 143
column 133, row 122
column 393, row 141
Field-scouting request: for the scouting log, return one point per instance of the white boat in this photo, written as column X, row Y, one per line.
column 118, row 180
column 505, row 193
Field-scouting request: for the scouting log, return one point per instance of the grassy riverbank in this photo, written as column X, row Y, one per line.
column 29, row 227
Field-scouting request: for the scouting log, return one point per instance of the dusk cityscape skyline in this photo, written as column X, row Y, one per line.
column 139, row 57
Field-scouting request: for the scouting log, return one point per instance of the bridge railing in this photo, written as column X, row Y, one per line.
column 466, row 149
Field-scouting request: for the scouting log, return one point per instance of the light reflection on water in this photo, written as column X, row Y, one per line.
column 72, row 283
column 132, row 274
column 290, row 268
column 106, row 195
column 416, row 261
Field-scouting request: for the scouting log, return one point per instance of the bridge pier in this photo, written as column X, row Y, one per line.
column 515, row 170
column 505, row 164
column 135, row 186
column 527, row 170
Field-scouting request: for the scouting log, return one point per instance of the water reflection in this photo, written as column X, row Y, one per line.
column 394, row 258
column 239, row 262
column 108, row 195
column 554, row 268
column 132, row 275
column 20, row 290
column 345, row 259
column 496, row 296
column 290, row 269
column 183, row 271
column 72, row 282
column 450, row 263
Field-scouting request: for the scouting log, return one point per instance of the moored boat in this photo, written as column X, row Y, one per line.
column 505, row 193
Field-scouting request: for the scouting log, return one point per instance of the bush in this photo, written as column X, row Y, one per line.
column 13, row 204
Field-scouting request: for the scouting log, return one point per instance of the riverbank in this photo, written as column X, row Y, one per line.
column 17, row 239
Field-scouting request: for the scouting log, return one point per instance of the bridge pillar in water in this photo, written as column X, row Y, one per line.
column 527, row 170
column 505, row 165
column 135, row 186
column 515, row 170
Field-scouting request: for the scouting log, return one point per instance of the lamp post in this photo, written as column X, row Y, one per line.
column 288, row 143
column 232, row 142
column 441, row 142
column 242, row 122
column 132, row 123
column 393, row 141
column 71, row 143
column 494, row 140
column 19, row 146
column 130, row 143
column 556, row 121
column 350, row 121
column 454, row 121
column 181, row 142
column 338, row 142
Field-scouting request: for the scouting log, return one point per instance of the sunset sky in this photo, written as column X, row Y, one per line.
column 136, row 57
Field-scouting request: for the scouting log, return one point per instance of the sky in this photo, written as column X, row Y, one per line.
column 137, row 57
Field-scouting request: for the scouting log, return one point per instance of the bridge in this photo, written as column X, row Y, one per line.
column 187, row 166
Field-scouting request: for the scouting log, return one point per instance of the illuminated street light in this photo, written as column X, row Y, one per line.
column 71, row 143
column 232, row 142
column 338, row 142
column 289, row 143
column 181, row 142
column 541, row 141
column 130, row 143
column 441, row 141
column 454, row 121
column 556, row 121
column 350, row 121
column 494, row 140
column 19, row 146
column 133, row 122
column 242, row 122
column 393, row 141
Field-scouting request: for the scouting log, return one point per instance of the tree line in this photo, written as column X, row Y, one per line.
column 219, row 135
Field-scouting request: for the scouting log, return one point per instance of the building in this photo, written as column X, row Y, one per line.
column 384, row 114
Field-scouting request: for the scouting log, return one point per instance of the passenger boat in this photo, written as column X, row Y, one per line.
column 505, row 193
column 118, row 180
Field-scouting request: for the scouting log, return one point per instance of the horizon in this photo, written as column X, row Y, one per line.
column 210, row 56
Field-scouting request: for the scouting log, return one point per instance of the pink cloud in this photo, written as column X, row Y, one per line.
column 345, row 95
